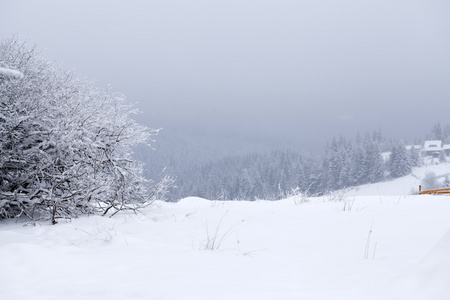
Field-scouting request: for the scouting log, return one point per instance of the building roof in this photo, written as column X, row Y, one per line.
column 432, row 146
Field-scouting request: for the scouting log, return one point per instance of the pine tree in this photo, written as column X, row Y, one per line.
column 376, row 172
column 414, row 157
column 442, row 157
column 446, row 183
column 437, row 132
column 399, row 162
column 357, row 166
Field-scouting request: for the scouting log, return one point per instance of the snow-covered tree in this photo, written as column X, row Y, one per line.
column 442, row 157
column 414, row 157
column 399, row 162
column 429, row 181
column 65, row 145
column 437, row 132
column 446, row 183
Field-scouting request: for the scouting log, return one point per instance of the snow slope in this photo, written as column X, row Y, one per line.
column 372, row 242
column 363, row 247
column 406, row 185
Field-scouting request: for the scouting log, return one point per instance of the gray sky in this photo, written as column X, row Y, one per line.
column 304, row 70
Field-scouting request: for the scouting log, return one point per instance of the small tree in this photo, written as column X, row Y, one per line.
column 429, row 181
column 442, row 157
column 414, row 157
column 437, row 132
column 446, row 183
column 399, row 161
column 65, row 145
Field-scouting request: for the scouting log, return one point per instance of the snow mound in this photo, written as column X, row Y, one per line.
column 361, row 247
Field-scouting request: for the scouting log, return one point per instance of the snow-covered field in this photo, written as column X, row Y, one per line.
column 406, row 185
column 344, row 246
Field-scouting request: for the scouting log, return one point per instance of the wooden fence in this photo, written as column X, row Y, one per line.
column 434, row 192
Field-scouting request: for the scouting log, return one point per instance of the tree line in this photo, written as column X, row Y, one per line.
column 345, row 163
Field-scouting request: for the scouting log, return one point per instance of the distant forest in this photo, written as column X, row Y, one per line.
column 271, row 174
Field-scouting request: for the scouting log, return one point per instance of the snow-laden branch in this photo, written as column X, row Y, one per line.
column 11, row 73
column 66, row 146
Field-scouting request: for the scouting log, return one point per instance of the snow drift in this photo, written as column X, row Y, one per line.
column 361, row 247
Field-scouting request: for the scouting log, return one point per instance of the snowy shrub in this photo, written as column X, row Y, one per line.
column 429, row 181
column 216, row 235
column 336, row 196
column 446, row 183
column 65, row 145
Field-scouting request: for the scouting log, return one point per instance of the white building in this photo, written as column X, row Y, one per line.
column 435, row 148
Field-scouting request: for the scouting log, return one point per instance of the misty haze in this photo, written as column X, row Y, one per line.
column 307, row 109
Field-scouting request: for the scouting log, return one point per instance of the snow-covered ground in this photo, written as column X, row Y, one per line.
column 360, row 246
column 407, row 185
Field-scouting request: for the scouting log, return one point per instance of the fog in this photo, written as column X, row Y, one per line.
column 292, row 72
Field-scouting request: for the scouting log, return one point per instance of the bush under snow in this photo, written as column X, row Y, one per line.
column 65, row 145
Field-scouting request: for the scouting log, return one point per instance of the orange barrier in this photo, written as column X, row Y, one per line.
column 434, row 192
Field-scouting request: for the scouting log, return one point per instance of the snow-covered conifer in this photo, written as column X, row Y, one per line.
column 414, row 157
column 399, row 162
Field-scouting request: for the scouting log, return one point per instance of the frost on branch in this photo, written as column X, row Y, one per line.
column 66, row 145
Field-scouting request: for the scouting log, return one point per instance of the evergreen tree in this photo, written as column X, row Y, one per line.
column 437, row 132
column 446, row 183
column 414, row 157
column 442, row 157
column 446, row 134
column 376, row 169
column 333, row 165
column 399, row 162
column 357, row 176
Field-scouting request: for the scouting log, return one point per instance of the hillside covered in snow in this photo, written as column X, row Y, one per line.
column 374, row 242
column 406, row 185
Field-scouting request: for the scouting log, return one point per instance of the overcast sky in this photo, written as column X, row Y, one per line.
column 305, row 70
